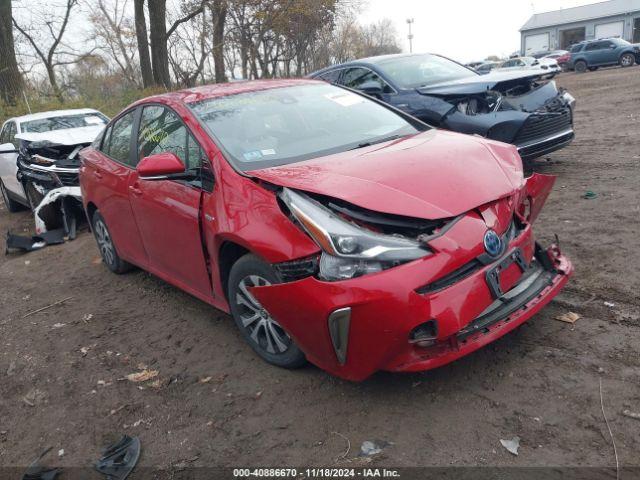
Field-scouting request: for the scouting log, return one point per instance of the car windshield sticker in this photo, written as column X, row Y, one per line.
column 346, row 99
column 268, row 151
column 252, row 156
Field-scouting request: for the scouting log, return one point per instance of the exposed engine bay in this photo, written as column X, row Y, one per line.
column 528, row 110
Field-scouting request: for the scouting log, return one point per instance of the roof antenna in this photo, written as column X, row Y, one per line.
column 24, row 94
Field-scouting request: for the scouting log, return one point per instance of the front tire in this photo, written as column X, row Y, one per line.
column 106, row 246
column 580, row 66
column 261, row 331
column 11, row 205
column 627, row 60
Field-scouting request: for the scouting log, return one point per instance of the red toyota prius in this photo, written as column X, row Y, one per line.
column 333, row 228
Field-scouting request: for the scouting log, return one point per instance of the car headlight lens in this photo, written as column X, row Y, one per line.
column 349, row 250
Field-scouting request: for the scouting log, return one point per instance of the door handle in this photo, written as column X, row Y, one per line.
column 135, row 189
column 97, row 174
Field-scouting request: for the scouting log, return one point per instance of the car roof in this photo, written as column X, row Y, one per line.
column 51, row 114
column 216, row 90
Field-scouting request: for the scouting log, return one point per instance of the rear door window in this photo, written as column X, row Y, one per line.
column 118, row 144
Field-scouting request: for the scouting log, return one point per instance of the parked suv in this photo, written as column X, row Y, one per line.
column 592, row 54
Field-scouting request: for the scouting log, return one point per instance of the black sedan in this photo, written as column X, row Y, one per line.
column 524, row 108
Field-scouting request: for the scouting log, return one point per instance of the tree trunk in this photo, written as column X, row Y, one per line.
column 11, row 83
column 219, row 11
column 143, row 44
column 159, row 53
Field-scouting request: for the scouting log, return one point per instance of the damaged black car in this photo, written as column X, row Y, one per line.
column 524, row 108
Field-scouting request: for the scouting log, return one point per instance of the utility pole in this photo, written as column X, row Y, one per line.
column 410, row 36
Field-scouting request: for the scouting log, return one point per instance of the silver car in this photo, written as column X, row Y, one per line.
column 38, row 152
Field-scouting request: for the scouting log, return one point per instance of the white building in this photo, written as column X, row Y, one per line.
column 562, row 28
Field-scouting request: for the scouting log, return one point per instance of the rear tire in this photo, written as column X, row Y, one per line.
column 11, row 204
column 106, row 246
column 580, row 66
column 261, row 331
column 627, row 60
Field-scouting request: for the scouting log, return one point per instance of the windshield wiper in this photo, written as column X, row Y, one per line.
column 373, row 142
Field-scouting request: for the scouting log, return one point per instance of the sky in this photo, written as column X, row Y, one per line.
column 465, row 30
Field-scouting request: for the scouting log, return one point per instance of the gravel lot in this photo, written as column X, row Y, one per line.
column 218, row 404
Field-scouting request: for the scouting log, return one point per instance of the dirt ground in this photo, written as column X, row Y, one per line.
column 218, row 404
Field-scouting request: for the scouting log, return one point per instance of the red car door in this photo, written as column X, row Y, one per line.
column 106, row 172
column 168, row 211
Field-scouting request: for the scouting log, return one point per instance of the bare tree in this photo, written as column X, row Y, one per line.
column 219, row 9
column 116, row 34
column 11, row 82
column 143, row 43
column 51, row 56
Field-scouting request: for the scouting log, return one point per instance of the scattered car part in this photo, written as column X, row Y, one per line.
column 37, row 472
column 119, row 459
column 522, row 107
column 36, row 242
column 511, row 445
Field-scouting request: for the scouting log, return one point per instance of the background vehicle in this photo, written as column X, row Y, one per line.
column 323, row 221
column 38, row 152
column 529, row 63
column 592, row 54
column 486, row 67
column 519, row 107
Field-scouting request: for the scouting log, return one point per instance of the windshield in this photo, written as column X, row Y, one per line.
column 423, row 70
column 64, row 122
column 286, row 125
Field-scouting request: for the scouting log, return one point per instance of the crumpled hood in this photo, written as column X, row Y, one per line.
column 481, row 83
column 68, row 136
column 435, row 174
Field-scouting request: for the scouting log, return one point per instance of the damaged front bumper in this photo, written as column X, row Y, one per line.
column 426, row 313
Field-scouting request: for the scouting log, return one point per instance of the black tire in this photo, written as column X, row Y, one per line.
column 11, row 204
column 580, row 66
column 627, row 60
column 106, row 246
column 263, row 334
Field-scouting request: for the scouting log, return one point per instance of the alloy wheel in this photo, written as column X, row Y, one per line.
column 626, row 60
column 263, row 330
column 105, row 245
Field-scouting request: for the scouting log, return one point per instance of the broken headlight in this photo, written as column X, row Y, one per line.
column 349, row 250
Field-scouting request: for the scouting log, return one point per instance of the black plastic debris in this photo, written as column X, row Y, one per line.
column 37, row 472
column 35, row 242
column 119, row 459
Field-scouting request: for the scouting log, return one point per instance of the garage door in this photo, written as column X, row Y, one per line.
column 536, row 43
column 613, row 29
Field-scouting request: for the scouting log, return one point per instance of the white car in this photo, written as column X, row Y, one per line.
column 38, row 152
column 529, row 63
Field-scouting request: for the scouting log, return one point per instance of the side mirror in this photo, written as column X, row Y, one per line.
column 160, row 166
column 8, row 148
column 371, row 88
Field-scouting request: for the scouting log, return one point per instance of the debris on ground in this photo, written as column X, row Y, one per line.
column 569, row 317
column 56, row 217
column 142, row 376
column 346, row 452
column 369, row 448
column 205, row 380
column 589, row 195
column 609, row 304
column 58, row 325
column 511, row 445
column 34, row 397
column 630, row 414
column 119, row 459
column 61, row 452
column 37, row 472
column 46, row 307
